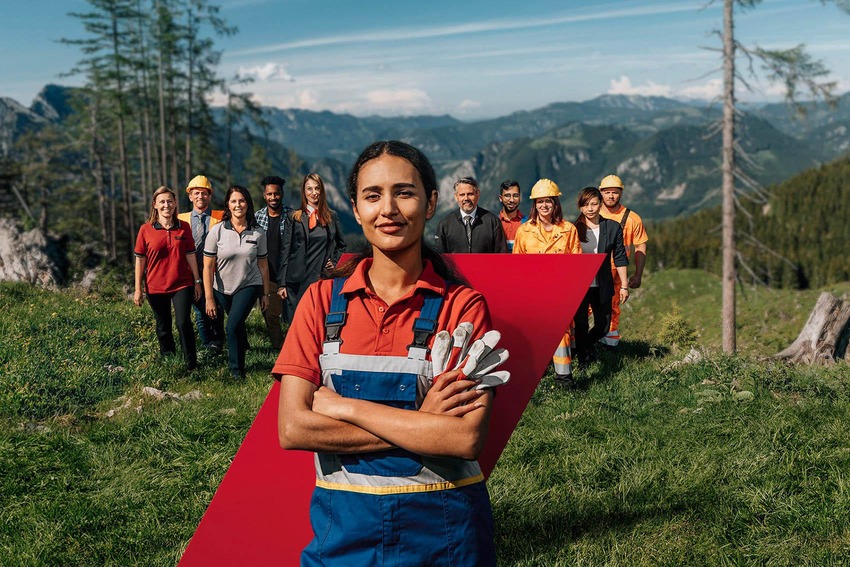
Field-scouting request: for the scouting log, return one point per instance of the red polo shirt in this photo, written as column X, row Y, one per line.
column 167, row 269
column 372, row 326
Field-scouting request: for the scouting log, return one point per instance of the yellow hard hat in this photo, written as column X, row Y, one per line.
column 545, row 188
column 199, row 182
column 610, row 182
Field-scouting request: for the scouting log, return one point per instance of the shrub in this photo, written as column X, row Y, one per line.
column 675, row 330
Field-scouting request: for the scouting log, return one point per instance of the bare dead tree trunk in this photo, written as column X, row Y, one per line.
column 190, row 36
column 824, row 337
column 122, row 140
column 113, row 241
column 97, row 166
column 729, row 275
column 163, row 166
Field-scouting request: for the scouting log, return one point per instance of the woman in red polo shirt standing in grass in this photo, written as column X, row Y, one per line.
column 166, row 266
column 397, row 480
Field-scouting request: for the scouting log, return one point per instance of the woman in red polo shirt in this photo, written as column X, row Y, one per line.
column 166, row 266
column 397, row 481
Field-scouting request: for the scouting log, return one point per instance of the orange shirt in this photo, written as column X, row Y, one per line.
column 510, row 227
column 372, row 326
column 532, row 239
column 633, row 232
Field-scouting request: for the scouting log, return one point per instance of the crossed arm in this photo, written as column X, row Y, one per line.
column 451, row 422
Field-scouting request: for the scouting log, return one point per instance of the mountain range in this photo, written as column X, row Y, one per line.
column 666, row 151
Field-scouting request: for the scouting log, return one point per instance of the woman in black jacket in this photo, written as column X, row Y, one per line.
column 598, row 236
column 312, row 243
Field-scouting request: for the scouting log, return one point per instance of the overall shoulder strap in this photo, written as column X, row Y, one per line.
column 425, row 325
column 625, row 218
column 336, row 317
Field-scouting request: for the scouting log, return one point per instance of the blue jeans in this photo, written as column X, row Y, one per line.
column 211, row 331
column 237, row 306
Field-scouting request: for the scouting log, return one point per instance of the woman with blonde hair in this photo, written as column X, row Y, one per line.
column 166, row 267
column 312, row 244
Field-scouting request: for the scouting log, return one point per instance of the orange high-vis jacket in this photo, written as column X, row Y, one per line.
column 532, row 239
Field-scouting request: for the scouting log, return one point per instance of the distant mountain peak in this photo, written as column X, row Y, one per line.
column 638, row 102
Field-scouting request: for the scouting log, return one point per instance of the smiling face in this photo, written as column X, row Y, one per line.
column 200, row 198
column 510, row 199
column 391, row 205
column 590, row 209
column 467, row 197
column 312, row 192
column 237, row 205
column 272, row 194
column 165, row 207
column 545, row 208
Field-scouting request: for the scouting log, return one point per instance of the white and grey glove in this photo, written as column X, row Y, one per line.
column 478, row 361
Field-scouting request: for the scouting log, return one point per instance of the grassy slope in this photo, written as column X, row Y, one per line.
column 647, row 463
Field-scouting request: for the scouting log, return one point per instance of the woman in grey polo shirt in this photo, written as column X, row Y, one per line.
column 236, row 271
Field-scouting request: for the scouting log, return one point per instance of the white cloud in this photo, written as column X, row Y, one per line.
column 709, row 90
column 267, row 72
column 468, row 105
column 393, row 101
column 623, row 86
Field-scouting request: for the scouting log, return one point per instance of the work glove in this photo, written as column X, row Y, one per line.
column 477, row 362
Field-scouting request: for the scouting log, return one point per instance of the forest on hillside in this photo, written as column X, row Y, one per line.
column 795, row 236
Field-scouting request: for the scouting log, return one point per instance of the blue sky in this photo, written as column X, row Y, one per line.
column 471, row 59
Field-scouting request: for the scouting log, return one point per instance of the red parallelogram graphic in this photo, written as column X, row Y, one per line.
column 260, row 512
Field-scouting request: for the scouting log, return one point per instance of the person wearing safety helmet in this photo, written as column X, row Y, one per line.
column 510, row 215
column 634, row 235
column 201, row 218
column 547, row 232
column 470, row 229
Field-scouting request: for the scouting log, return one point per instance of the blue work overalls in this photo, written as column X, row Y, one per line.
column 393, row 507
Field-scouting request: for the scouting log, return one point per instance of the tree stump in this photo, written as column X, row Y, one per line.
column 824, row 337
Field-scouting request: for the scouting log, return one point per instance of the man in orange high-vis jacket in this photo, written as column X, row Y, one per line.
column 634, row 234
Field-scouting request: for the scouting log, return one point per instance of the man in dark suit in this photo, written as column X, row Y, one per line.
column 471, row 229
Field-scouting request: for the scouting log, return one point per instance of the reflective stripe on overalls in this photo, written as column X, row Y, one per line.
column 393, row 507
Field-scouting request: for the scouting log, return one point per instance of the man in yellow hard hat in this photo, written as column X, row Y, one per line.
column 201, row 218
column 634, row 235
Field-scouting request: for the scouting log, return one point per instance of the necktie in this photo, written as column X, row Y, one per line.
column 468, row 222
column 311, row 222
column 199, row 230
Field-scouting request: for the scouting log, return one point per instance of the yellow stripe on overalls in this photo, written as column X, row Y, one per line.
column 406, row 489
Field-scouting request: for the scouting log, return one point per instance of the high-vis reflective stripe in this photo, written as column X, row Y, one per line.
column 400, row 489
column 397, row 381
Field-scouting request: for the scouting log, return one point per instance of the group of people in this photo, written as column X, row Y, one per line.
column 603, row 226
column 221, row 262
column 364, row 378
column 396, row 427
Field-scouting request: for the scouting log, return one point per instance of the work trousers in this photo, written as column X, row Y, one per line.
column 587, row 337
column 237, row 306
column 211, row 331
column 161, row 305
column 273, row 321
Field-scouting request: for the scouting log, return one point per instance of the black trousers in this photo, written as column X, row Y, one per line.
column 587, row 337
column 161, row 305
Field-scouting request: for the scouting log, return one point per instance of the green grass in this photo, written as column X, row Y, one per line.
column 726, row 461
